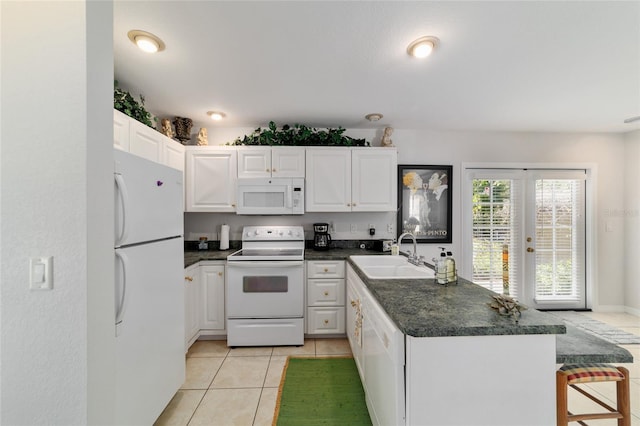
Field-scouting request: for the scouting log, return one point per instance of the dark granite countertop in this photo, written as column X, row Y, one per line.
column 578, row 346
column 193, row 256
column 423, row 308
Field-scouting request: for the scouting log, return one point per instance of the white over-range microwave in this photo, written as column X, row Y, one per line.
column 266, row 196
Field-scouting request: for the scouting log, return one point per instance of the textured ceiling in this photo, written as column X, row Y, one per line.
column 568, row 66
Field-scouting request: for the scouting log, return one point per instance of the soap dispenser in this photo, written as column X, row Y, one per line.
column 441, row 267
column 452, row 273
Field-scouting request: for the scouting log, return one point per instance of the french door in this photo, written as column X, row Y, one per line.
column 525, row 234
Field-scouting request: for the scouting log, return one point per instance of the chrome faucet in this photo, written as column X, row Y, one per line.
column 413, row 257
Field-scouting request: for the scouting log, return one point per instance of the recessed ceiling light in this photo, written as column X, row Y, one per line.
column 146, row 41
column 422, row 47
column 374, row 116
column 216, row 115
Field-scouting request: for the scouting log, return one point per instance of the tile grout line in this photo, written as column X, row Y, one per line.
column 208, row 387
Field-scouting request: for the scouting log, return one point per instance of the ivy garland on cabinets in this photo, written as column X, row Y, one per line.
column 124, row 102
column 298, row 135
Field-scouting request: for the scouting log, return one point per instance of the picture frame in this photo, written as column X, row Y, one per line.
column 424, row 202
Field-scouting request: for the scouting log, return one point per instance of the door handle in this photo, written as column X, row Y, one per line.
column 530, row 249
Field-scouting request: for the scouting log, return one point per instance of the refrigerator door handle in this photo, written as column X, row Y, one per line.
column 121, row 303
column 124, row 197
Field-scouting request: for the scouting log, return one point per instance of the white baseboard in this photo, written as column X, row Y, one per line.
column 609, row 308
column 632, row 311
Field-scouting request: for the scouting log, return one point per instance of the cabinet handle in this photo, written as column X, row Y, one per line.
column 267, row 170
column 273, row 170
column 353, row 204
column 188, row 278
column 326, row 322
column 530, row 249
column 348, row 204
column 233, row 205
column 326, row 270
column 326, row 293
column 353, row 303
column 219, row 274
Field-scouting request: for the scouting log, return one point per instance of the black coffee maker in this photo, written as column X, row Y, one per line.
column 321, row 238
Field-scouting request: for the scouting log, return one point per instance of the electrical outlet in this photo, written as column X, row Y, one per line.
column 354, row 228
column 390, row 228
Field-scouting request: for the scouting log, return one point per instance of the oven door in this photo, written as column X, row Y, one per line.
column 265, row 289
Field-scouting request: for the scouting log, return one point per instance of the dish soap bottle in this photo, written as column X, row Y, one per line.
column 441, row 267
column 452, row 273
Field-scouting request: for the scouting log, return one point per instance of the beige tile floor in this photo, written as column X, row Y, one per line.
column 237, row 386
column 240, row 386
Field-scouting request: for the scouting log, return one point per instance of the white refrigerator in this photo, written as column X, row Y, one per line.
column 149, row 296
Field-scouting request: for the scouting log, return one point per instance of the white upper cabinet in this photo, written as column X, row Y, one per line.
column 328, row 180
column 270, row 162
column 374, row 178
column 121, row 130
column 139, row 139
column 173, row 154
column 351, row 180
column 211, row 179
column 146, row 142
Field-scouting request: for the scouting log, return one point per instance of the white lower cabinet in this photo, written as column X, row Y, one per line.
column 378, row 348
column 354, row 319
column 213, row 318
column 204, row 300
column 325, row 297
column 191, row 304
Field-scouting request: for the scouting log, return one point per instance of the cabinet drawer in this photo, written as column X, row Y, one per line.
column 326, row 320
column 325, row 269
column 329, row 292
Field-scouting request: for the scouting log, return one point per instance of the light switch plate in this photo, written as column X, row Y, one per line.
column 41, row 273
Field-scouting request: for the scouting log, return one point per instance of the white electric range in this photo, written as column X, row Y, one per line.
column 265, row 288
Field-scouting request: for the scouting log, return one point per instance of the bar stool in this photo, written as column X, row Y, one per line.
column 571, row 375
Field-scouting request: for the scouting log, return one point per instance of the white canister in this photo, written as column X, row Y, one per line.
column 224, row 237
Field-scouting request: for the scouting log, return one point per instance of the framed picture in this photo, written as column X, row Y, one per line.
column 424, row 200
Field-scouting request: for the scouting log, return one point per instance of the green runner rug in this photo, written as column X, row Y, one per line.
column 321, row 391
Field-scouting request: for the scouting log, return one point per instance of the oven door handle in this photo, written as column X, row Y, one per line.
column 267, row 264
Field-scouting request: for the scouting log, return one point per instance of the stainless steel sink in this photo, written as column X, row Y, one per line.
column 390, row 267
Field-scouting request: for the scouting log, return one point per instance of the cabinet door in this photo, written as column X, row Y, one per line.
column 287, row 162
column 121, row 130
column 191, row 305
column 354, row 320
column 212, row 287
column 173, row 154
column 210, row 179
column 146, row 142
column 254, row 162
column 374, row 179
column 328, row 180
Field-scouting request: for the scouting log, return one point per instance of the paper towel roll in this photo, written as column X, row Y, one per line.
column 224, row 237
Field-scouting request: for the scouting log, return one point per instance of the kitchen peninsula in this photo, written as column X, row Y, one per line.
column 438, row 355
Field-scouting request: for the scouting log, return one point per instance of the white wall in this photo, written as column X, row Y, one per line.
column 631, row 217
column 56, row 140
column 605, row 151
